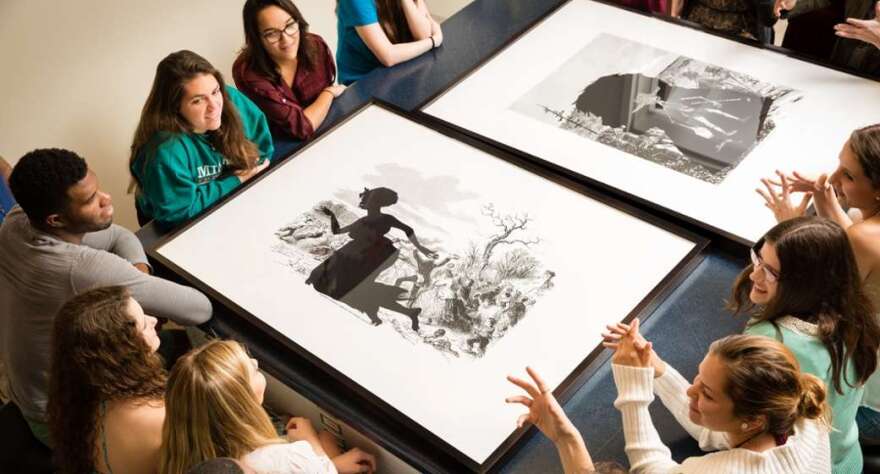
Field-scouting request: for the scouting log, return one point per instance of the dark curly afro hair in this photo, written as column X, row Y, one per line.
column 40, row 181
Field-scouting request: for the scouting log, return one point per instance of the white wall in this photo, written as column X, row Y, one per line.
column 75, row 74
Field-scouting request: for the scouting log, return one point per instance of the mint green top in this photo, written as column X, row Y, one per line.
column 180, row 174
column 802, row 339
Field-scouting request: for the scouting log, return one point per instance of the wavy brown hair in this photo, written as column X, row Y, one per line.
column 764, row 381
column 819, row 283
column 98, row 355
column 255, row 54
column 161, row 112
column 392, row 19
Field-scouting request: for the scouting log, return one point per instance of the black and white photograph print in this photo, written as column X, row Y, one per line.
column 696, row 118
column 366, row 257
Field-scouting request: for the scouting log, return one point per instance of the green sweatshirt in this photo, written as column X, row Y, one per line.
column 802, row 338
column 180, row 174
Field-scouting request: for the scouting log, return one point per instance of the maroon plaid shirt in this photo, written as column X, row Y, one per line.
column 284, row 105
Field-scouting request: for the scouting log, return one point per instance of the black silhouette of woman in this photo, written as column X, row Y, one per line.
column 349, row 274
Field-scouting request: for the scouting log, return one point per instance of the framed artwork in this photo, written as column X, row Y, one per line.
column 661, row 113
column 420, row 270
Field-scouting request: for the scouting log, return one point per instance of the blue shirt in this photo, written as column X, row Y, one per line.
column 353, row 58
column 6, row 200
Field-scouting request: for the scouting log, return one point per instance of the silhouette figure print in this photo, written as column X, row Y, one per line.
column 350, row 274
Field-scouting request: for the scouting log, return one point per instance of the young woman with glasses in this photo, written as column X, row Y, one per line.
column 854, row 185
column 803, row 288
column 376, row 33
column 286, row 70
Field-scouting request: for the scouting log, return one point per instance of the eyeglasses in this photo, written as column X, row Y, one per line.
column 274, row 35
column 770, row 275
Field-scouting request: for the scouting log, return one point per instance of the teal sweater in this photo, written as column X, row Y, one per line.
column 180, row 174
column 802, row 339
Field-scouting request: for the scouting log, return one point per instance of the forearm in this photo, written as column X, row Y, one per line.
column 397, row 53
column 574, row 455
column 418, row 19
column 117, row 240
column 317, row 112
column 158, row 297
column 645, row 450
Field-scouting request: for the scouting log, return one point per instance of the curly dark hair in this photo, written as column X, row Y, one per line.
column 40, row 180
column 98, row 354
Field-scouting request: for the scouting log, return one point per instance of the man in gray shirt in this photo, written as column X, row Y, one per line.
column 58, row 243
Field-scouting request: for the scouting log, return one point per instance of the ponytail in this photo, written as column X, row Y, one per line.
column 813, row 404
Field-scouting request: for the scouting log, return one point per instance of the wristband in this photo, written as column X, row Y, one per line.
column 433, row 44
column 328, row 91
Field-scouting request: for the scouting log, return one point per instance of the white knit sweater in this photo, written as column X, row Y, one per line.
column 807, row 451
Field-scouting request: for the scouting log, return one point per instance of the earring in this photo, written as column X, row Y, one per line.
column 744, row 427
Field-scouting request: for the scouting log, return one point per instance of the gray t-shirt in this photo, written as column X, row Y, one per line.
column 39, row 273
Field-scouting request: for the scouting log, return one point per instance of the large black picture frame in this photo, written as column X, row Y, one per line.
column 719, row 236
column 409, row 432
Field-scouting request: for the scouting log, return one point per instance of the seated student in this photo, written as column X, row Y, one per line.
column 58, row 243
column 856, row 182
column 806, row 288
column 106, row 404
column 858, row 40
column 6, row 200
column 380, row 33
column 213, row 410
column 287, row 71
column 749, row 399
column 197, row 140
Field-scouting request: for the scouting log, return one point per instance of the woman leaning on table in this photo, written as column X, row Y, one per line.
column 376, row 33
column 197, row 140
column 286, row 70
column 749, row 400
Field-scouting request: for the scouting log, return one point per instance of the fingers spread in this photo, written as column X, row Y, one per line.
column 524, row 385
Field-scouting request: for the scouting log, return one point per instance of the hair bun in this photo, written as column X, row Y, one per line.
column 812, row 403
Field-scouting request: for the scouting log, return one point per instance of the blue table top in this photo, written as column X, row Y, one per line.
column 682, row 327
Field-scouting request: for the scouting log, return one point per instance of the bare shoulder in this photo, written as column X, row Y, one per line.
column 140, row 414
column 865, row 234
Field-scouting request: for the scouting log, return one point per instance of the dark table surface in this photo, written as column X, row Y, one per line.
column 682, row 327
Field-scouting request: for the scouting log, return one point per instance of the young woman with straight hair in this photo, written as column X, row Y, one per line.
column 196, row 141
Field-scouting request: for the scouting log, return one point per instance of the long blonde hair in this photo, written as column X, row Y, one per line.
column 211, row 410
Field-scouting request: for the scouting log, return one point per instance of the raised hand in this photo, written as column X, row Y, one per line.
column 862, row 30
column 780, row 201
column 631, row 348
column 544, row 411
